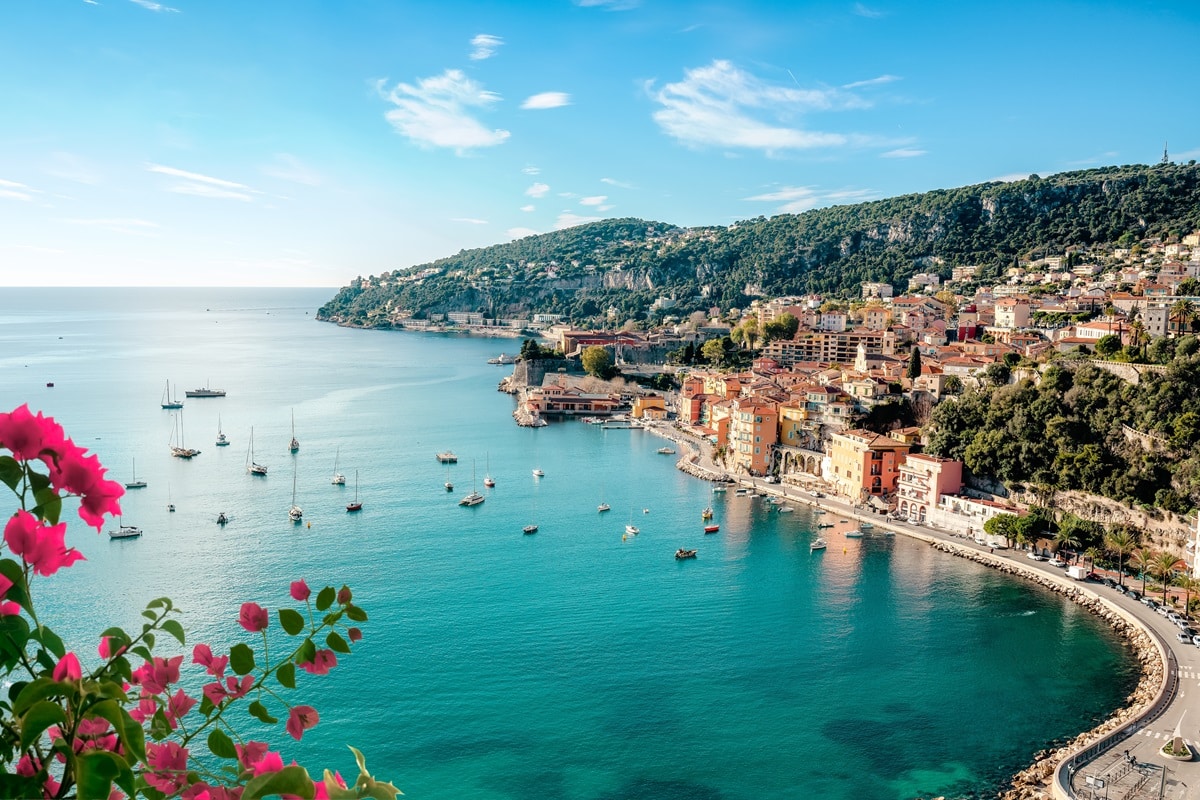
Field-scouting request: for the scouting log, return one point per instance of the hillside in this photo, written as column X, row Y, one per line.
column 625, row 264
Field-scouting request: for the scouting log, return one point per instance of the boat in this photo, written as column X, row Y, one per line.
column 294, row 445
column 295, row 513
column 135, row 483
column 49, row 384
column 178, row 449
column 488, row 480
column 718, row 489
column 603, row 507
column 474, row 498
column 825, row 525
column 866, row 526
column 252, row 466
column 537, row 473
column 786, row 509
column 222, row 519
column 706, row 513
column 355, row 505
column 447, row 457
column 632, row 529
column 817, row 544
column 854, row 534
column 449, row 486
column 711, row 528
column 125, row 532
column 222, row 439
column 682, row 554
column 204, row 392
column 666, row 451
column 167, row 402
column 502, row 359
column 528, row 529
column 338, row 478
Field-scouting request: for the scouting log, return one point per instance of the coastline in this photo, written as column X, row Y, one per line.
column 1036, row 780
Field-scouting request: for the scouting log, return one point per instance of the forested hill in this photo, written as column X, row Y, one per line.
column 625, row 264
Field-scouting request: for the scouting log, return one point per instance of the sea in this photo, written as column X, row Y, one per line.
column 577, row 663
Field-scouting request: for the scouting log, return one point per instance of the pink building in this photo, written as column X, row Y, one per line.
column 922, row 482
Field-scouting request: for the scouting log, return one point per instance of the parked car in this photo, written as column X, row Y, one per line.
column 1163, row 611
column 1150, row 602
column 1110, row 583
column 1196, row 641
column 1183, row 638
column 1057, row 562
column 1133, row 594
column 1036, row 556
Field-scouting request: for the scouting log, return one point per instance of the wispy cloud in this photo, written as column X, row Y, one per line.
column 568, row 219
column 529, row 208
column 91, row 2
column 903, row 152
column 879, row 81
column 130, row 227
column 16, row 191
column 547, row 100
column 485, row 46
column 532, row 170
column 521, row 233
column 870, row 13
column 537, row 190
column 152, row 6
column 598, row 200
column 721, row 105
column 608, row 5
column 1010, row 178
column 469, row 220
column 796, row 199
column 435, row 112
column 617, row 183
column 204, row 185
column 1103, row 158
column 289, row 168
column 1186, row 155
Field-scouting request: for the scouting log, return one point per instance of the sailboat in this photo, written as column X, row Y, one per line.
column 356, row 505
column 222, row 440
column 295, row 513
column 338, row 478
column 603, row 505
column 449, row 485
column 178, row 449
column 631, row 528
column 170, row 504
column 294, row 445
column 135, row 483
column 474, row 498
column 252, row 466
column 167, row 402
column 124, row 531
column 488, row 480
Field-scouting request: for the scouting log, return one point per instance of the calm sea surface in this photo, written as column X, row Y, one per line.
column 566, row 665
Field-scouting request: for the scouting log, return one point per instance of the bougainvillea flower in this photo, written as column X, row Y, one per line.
column 354, row 634
column 154, row 677
column 323, row 661
column 197, row 791
column 300, row 590
column 144, row 710
column 344, row 595
column 167, row 764
column 7, row 607
column 178, row 707
column 250, row 753
column 270, row 762
column 42, row 546
column 68, row 669
column 300, row 719
column 215, row 692
column 253, row 617
column 202, row 655
column 28, row 436
column 236, row 689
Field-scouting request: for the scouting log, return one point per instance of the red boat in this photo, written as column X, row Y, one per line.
column 711, row 528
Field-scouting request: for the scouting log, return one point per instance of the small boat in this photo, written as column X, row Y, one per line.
column 537, row 473
column 449, row 486
column 740, row 492
column 706, row 513
column 528, row 529
column 177, row 448
column 167, row 402
column 252, row 466
column 338, row 478
column 135, row 483
column 472, row 499
column 447, row 457
column 488, row 480
column 817, row 544
column 785, row 509
column 295, row 513
column 222, row 519
column 603, row 507
column 718, row 489
column 222, row 439
column 633, row 530
column 294, row 445
column 49, row 384
column 711, row 528
column 170, row 505
column 666, row 451
column 854, row 534
column 204, row 392
column 682, row 554
column 502, row 359
column 125, row 532
column 354, row 505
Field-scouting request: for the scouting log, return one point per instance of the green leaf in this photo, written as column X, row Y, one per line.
column 48, row 506
column 325, row 598
column 14, row 637
column 11, row 472
column 37, row 481
column 19, row 591
column 355, row 613
column 289, row 780
column 150, row 615
column 259, row 711
column 96, row 770
column 173, row 627
column 50, row 641
column 306, row 652
column 41, row 715
column 291, row 620
column 16, row 786
column 37, row 690
column 221, row 745
column 159, row 602
column 286, row 674
column 241, row 658
column 337, row 643
column 143, row 651
column 135, row 738
column 159, row 727
column 148, row 638
column 112, row 711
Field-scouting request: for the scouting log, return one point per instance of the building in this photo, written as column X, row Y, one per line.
column 753, row 433
column 830, row 348
column 567, row 400
column 922, row 482
column 1012, row 312
column 881, row 290
column 865, row 464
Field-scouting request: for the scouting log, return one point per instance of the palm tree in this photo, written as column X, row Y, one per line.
column 1065, row 538
column 1121, row 543
column 1143, row 560
column 1189, row 585
column 1164, row 565
column 1092, row 554
column 1183, row 312
column 1138, row 338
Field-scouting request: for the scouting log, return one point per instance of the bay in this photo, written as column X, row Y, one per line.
column 575, row 663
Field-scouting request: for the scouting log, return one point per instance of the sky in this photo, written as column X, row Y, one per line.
column 235, row 143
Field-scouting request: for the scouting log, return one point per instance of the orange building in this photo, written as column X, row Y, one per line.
column 753, row 433
column 865, row 463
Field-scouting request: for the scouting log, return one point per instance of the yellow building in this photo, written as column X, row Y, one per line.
column 865, row 463
column 649, row 407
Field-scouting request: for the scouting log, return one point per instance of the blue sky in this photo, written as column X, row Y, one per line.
column 211, row 142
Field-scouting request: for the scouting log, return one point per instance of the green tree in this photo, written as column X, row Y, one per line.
column 1189, row 586
column 1108, row 345
column 782, row 328
column 1188, row 287
column 914, row 364
column 1003, row 525
column 1120, row 543
column 598, row 361
column 1143, row 561
column 1065, row 539
column 998, row 373
column 1183, row 314
column 952, row 385
column 1164, row 565
column 714, row 352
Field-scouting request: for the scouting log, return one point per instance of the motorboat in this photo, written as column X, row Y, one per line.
column 818, row 544
column 866, row 526
column 204, row 392
column 222, row 519
column 537, row 473
column 447, row 457
column 666, row 451
column 603, row 507
column 682, row 554
column 854, row 534
column 633, row 530
column 825, row 525
column 785, row 509
column 718, row 489
column 707, row 513
column 528, row 529
column 711, row 528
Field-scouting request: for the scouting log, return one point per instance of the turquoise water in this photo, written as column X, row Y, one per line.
column 569, row 664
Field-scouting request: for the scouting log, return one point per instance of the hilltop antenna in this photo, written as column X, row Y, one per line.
column 1165, row 160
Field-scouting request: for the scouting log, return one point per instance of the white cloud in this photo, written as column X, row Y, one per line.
column 568, row 219
column 199, row 185
column 528, row 208
column 485, row 46
column 71, row 167
column 16, row 191
column 547, row 100
column 869, row 13
column 879, row 81
column 15, row 195
column 532, row 171
column 521, row 233
column 434, row 112
column 1186, row 155
column 469, row 220
column 796, row 199
column 537, row 190
column 91, row 3
column 608, row 5
column 207, row 190
column 289, row 168
column 1010, row 178
column 147, row 4
column 723, row 106
column 903, row 152
column 617, row 183
column 598, row 200
column 132, row 227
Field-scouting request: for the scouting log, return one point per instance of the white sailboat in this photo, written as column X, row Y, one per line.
column 222, row 439
column 167, row 402
column 294, row 445
column 603, row 505
column 338, row 478
column 295, row 513
column 124, row 531
column 474, row 498
column 356, row 505
column 632, row 529
column 488, row 480
column 252, row 466
column 134, row 483
column 178, row 448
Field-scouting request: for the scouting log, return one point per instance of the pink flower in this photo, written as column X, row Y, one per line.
column 42, row 546
column 323, row 661
column 250, row 753
column 300, row 590
column 178, row 707
column 145, row 709
column 197, row 791
column 270, row 762
column 237, row 690
column 354, row 634
column 253, row 617
column 68, row 669
column 203, row 656
column 344, row 596
column 167, row 764
column 321, row 788
column 154, row 677
column 27, row 436
column 300, row 719
column 215, row 692
column 7, row 608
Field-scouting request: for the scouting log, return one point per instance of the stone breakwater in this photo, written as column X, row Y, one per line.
column 1034, row 781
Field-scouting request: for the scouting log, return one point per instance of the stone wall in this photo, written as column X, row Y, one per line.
column 1168, row 531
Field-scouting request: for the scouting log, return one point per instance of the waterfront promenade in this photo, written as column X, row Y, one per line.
column 1128, row 761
